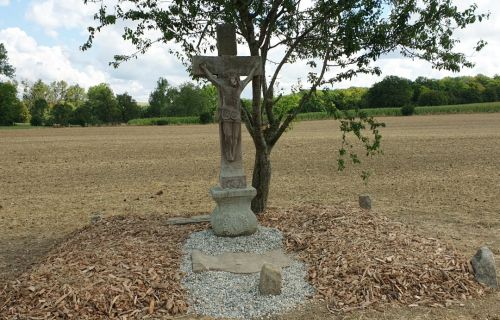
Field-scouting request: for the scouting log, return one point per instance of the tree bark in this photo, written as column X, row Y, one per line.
column 261, row 179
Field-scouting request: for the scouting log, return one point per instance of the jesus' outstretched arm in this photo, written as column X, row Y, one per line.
column 250, row 76
column 210, row 75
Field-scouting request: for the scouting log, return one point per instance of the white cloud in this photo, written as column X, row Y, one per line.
column 4, row 2
column 51, row 63
column 53, row 14
column 33, row 61
column 137, row 76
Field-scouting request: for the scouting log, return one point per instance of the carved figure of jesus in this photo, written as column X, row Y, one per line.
column 230, row 87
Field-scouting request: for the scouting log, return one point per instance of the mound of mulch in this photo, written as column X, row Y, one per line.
column 358, row 259
column 124, row 267
column 127, row 267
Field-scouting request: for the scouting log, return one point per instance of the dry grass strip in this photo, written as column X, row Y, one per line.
column 127, row 267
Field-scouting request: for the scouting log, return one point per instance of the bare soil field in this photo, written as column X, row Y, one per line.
column 438, row 174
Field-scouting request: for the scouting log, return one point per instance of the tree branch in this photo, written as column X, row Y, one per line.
column 292, row 47
column 268, row 21
column 303, row 100
column 248, row 120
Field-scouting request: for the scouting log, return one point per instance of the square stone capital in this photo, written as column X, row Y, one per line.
column 219, row 193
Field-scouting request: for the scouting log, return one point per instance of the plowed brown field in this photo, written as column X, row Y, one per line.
column 440, row 174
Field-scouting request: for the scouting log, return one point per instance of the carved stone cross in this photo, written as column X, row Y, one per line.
column 228, row 67
column 233, row 216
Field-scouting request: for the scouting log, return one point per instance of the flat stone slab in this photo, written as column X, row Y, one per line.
column 238, row 262
column 189, row 220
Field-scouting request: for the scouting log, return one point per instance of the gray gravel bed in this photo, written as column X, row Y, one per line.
column 265, row 239
column 229, row 295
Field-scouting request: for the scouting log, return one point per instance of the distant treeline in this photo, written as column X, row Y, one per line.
column 397, row 92
column 63, row 104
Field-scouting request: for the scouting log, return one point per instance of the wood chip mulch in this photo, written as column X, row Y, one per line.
column 358, row 259
column 127, row 267
column 124, row 267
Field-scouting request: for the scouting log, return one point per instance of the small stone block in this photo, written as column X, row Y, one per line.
column 483, row 264
column 365, row 202
column 270, row 280
column 95, row 218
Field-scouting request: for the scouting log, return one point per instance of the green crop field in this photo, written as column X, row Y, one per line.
column 484, row 107
column 460, row 108
column 164, row 121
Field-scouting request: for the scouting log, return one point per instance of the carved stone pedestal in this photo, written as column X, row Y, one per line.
column 233, row 216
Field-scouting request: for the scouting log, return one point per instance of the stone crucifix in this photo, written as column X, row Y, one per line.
column 232, row 216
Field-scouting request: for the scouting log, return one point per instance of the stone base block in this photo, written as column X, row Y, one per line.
column 233, row 216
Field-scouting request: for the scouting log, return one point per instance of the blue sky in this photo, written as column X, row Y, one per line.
column 43, row 39
column 16, row 13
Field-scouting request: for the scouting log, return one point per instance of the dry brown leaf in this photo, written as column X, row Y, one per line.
column 151, row 306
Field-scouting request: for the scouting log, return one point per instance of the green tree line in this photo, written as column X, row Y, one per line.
column 186, row 100
column 58, row 103
column 395, row 92
column 63, row 104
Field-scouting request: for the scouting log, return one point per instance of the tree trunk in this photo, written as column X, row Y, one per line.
column 261, row 179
